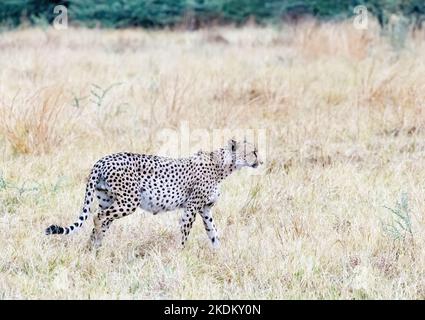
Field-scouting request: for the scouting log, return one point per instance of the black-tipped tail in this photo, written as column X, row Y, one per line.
column 88, row 200
column 54, row 229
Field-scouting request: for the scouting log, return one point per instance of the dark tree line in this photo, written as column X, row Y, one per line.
column 195, row 13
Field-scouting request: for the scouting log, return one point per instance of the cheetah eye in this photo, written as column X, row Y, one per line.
column 255, row 152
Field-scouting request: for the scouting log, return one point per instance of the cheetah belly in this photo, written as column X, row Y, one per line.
column 153, row 201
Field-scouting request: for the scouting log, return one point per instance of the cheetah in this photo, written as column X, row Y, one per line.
column 123, row 182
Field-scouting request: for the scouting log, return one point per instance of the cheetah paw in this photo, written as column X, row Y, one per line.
column 215, row 243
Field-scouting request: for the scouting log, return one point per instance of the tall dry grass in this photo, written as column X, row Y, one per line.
column 36, row 124
column 343, row 112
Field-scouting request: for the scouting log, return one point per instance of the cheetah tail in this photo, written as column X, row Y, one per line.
column 88, row 200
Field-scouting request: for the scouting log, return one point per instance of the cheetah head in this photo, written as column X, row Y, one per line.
column 245, row 154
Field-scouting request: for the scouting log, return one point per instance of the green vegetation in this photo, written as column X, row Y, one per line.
column 400, row 226
column 196, row 13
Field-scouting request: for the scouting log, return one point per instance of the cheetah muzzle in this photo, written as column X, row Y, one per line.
column 122, row 182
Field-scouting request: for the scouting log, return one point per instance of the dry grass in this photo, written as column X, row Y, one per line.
column 345, row 138
column 34, row 125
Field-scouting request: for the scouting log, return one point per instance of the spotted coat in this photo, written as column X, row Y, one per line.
column 122, row 182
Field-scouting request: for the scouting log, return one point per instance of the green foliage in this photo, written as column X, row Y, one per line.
column 162, row 13
column 16, row 12
column 123, row 13
column 400, row 225
column 98, row 93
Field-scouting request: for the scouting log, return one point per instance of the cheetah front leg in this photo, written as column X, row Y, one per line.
column 186, row 222
column 210, row 227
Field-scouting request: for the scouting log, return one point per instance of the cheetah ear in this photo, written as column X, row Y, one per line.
column 232, row 144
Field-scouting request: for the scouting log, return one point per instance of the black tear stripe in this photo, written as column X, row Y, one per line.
column 210, row 204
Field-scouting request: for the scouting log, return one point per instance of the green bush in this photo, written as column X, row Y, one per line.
column 162, row 13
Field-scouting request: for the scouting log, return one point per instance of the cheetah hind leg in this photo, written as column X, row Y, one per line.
column 105, row 201
column 104, row 195
column 101, row 225
column 103, row 220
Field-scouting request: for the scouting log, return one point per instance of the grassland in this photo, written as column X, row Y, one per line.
column 336, row 212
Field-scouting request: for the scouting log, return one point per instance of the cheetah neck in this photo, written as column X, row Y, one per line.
column 224, row 162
